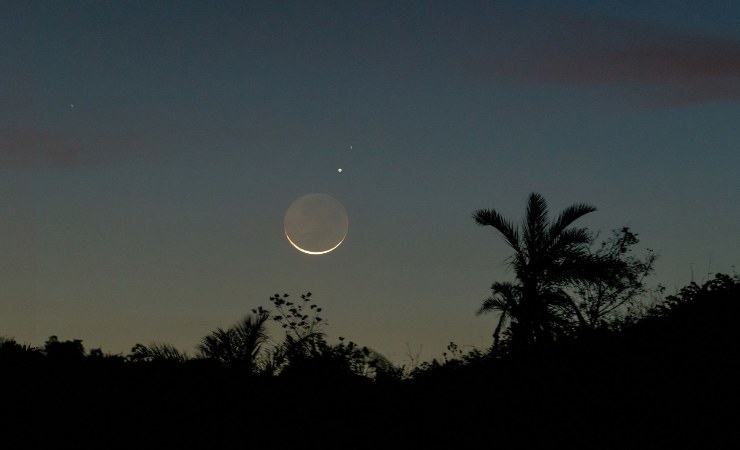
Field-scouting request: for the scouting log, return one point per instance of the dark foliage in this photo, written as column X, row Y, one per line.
column 240, row 346
column 668, row 378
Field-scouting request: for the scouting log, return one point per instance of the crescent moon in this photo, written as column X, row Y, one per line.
column 309, row 252
column 316, row 224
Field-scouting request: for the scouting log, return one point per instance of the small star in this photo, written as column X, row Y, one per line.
column 71, row 106
column 339, row 170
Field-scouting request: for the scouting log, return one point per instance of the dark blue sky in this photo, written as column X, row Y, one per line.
column 149, row 150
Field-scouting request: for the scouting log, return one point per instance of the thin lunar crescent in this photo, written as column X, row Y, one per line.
column 310, row 252
column 316, row 224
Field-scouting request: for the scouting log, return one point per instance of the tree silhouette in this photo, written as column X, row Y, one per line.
column 549, row 257
column 604, row 301
column 11, row 352
column 64, row 352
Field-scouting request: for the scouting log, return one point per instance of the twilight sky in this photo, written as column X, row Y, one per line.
column 149, row 151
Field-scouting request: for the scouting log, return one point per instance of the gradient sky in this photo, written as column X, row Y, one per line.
column 149, row 151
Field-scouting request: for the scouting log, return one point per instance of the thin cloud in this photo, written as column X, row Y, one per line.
column 668, row 67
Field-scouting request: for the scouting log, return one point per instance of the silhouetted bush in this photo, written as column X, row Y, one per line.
column 14, row 355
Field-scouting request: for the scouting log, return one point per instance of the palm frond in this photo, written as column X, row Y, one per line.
column 493, row 218
column 570, row 238
column 166, row 352
column 491, row 304
column 535, row 223
column 566, row 306
column 220, row 346
column 239, row 345
column 568, row 216
column 504, row 297
column 251, row 333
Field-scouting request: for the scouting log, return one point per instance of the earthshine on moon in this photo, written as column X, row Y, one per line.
column 316, row 224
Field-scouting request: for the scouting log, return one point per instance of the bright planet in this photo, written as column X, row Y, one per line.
column 316, row 224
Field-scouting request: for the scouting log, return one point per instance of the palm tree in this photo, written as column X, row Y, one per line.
column 239, row 345
column 548, row 258
column 505, row 300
